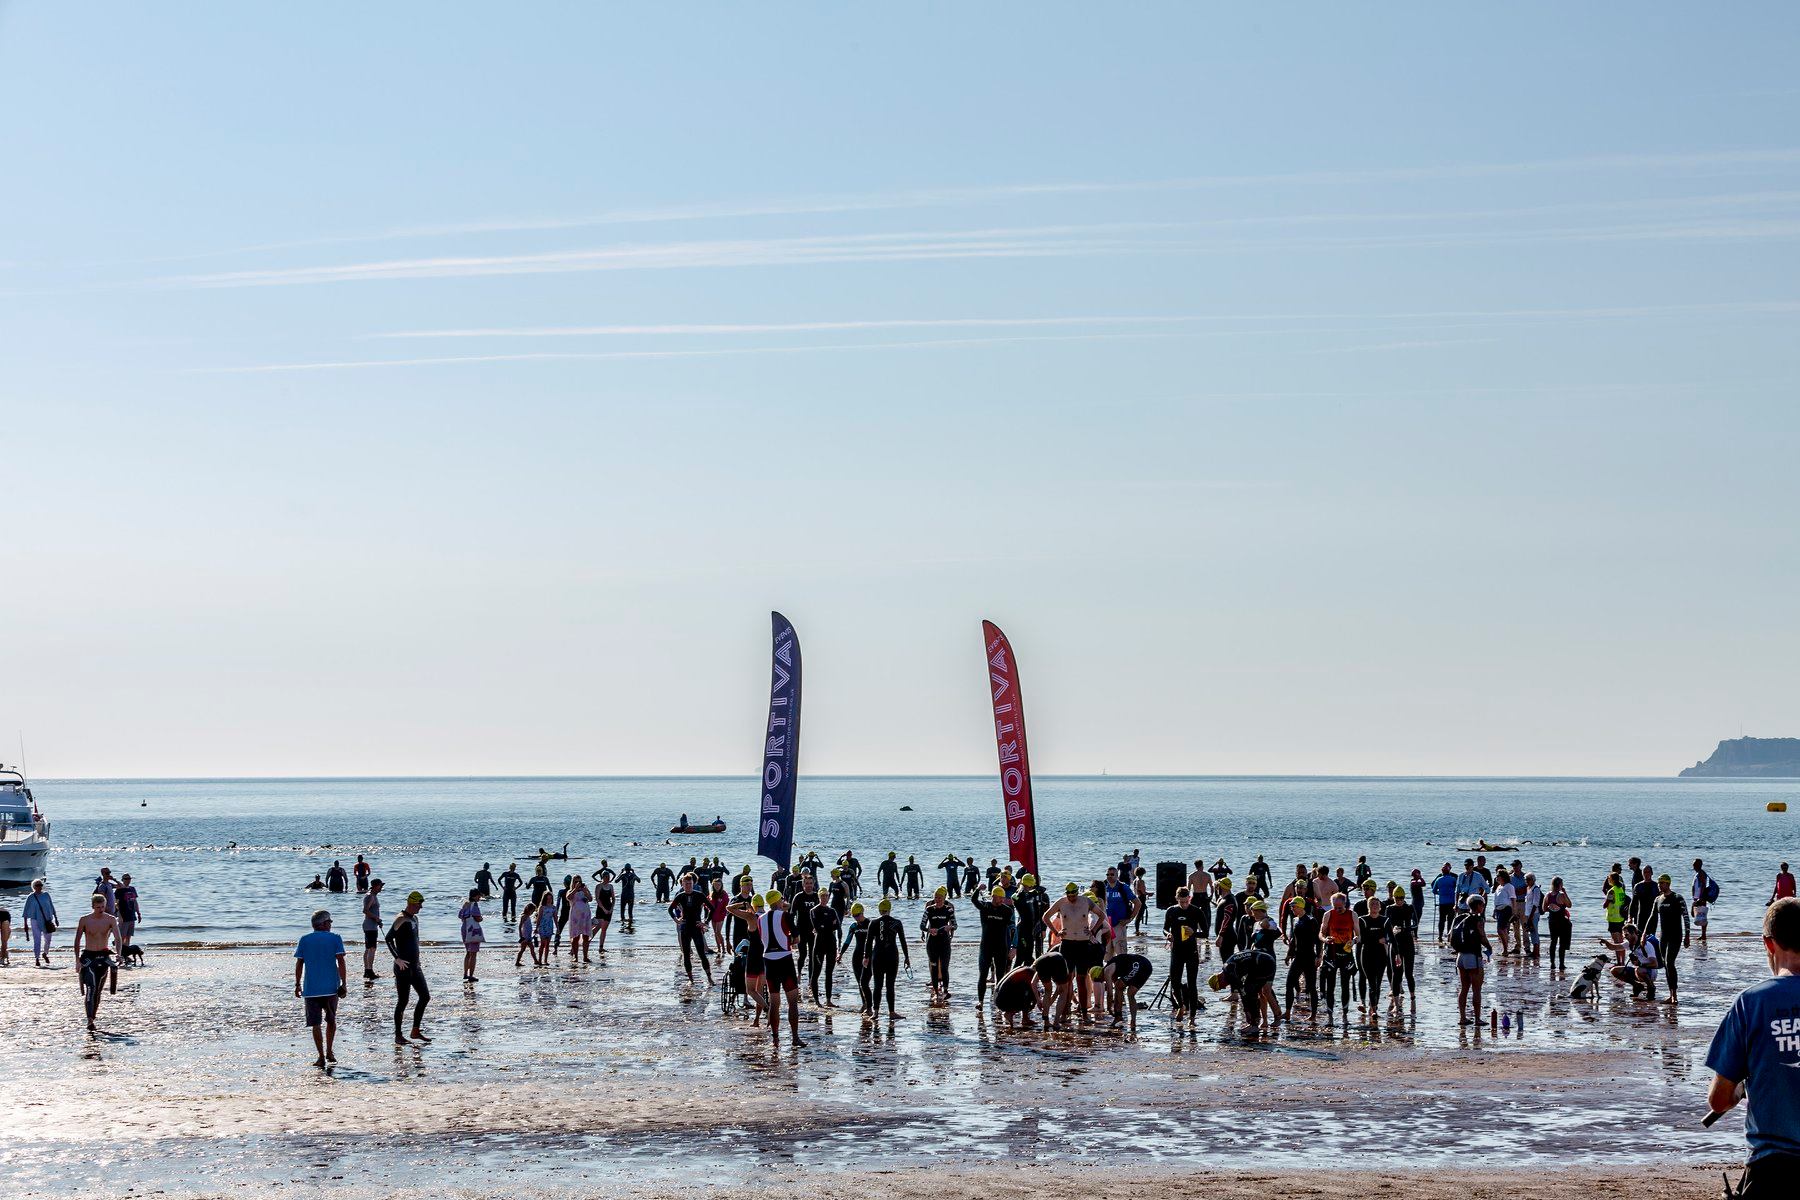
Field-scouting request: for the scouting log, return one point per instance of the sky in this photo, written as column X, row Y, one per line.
column 430, row 389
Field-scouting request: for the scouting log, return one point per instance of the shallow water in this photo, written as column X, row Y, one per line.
column 197, row 886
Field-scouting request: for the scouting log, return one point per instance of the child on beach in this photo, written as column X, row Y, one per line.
column 527, row 935
column 546, row 930
column 472, row 936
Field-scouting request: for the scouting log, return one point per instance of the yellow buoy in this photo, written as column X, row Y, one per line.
column 1777, row 806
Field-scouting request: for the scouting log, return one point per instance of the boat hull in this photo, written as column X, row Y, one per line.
column 19, row 865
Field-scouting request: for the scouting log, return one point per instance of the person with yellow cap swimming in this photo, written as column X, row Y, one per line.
column 937, row 930
column 779, row 973
column 409, row 974
column 996, row 913
column 887, row 950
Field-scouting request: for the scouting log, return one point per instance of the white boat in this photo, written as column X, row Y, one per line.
column 24, row 832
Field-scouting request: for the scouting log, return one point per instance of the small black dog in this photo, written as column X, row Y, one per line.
column 134, row 955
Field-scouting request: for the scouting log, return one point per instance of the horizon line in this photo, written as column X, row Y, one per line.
column 1061, row 777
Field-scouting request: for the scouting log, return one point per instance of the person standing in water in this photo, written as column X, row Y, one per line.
column 409, row 972
column 628, row 881
column 887, row 950
column 484, row 881
column 40, row 922
column 510, row 882
column 937, row 930
column 689, row 912
column 320, row 981
column 96, row 937
column 371, row 927
column 914, row 875
column 361, row 871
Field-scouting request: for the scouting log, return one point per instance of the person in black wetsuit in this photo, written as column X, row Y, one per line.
column 952, row 868
column 689, row 912
column 540, row 885
column 856, row 940
column 337, row 879
column 996, row 939
column 888, row 874
column 887, row 950
column 1225, row 917
column 1031, row 904
column 1302, row 956
column 914, row 875
column 409, row 974
column 660, row 879
column 937, row 927
column 510, row 879
column 1123, row 977
column 971, row 874
column 837, row 895
column 1371, row 954
column 484, row 882
column 800, row 910
column 628, row 881
column 1247, row 972
column 827, row 928
column 1669, row 918
column 1183, row 931
column 1403, row 949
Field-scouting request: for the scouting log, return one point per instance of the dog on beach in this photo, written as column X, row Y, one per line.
column 134, row 955
column 1584, row 988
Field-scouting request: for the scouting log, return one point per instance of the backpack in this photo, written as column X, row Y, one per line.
column 1712, row 890
column 1464, row 937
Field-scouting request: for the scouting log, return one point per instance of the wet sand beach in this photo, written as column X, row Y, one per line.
column 616, row 1078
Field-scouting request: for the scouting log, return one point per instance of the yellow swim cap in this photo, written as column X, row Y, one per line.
column 772, row 898
column 856, row 910
column 1096, row 973
column 1216, row 982
column 756, row 902
column 1071, row 887
column 1297, row 904
column 1028, row 879
column 942, row 891
column 415, row 897
column 999, row 893
column 886, row 906
column 1258, row 906
column 1225, row 882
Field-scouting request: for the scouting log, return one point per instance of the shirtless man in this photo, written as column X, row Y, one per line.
column 96, row 937
column 1076, row 918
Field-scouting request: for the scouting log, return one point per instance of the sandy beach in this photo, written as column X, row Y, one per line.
column 616, row 1078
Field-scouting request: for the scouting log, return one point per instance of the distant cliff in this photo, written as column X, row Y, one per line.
column 1741, row 757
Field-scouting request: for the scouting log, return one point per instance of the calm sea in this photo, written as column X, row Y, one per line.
column 224, row 860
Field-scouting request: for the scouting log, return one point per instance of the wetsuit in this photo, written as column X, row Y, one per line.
column 540, row 886
column 337, row 879
column 938, row 924
column 1303, row 959
column 409, row 981
column 856, row 940
column 484, row 882
column 1248, row 972
column 1030, row 905
column 887, row 946
column 915, row 879
column 1669, row 918
column 826, row 928
column 1371, row 958
column 889, row 875
column 800, row 910
column 689, row 910
column 1403, row 949
column 1184, row 927
column 628, row 880
column 509, row 894
column 952, row 868
column 1225, row 919
column 1052, row 968
column 659, row 879
column 1562, row 929
column 838, row 897
column 971, row 876
column 1132, row 970
column 996, row 942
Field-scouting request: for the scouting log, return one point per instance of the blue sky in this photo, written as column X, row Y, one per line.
column 424, row 389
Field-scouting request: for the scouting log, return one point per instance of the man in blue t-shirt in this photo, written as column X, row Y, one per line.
column 320, row 980
column 1443, row 890
column 1755, row 1055
column 1121, row 905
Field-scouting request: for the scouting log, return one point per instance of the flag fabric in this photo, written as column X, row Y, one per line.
column 1009, row 734
column 781, row 746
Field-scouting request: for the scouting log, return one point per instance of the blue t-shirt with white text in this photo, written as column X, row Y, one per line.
column 1758, row 1044
column 319, row 950
column 1444, row 888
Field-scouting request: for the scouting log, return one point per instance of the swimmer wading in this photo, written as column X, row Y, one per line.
column 1009, row 733
column 781, row 747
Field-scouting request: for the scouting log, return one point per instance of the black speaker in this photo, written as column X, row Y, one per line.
column 1170, row 878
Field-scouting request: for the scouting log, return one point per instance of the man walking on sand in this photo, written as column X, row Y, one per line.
column 321, row 980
